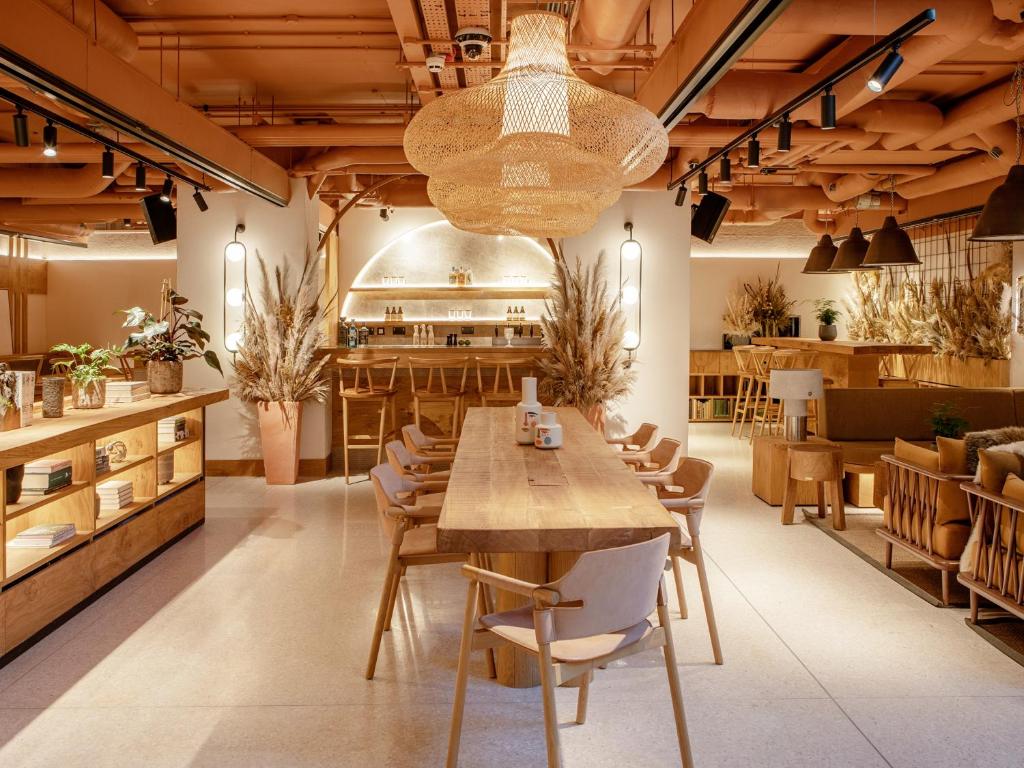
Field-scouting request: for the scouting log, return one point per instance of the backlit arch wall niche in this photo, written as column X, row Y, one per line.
column 412, row 272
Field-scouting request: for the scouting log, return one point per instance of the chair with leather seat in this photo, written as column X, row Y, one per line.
column 442, row 448
column 417, row 467
column 642, row 440
column 595, row 614
column 659, row 462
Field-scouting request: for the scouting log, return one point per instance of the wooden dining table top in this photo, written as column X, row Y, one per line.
column 506, row 497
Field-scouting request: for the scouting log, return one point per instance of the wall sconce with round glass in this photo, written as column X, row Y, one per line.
column 235, row 263
column 234, row 297
column 235, row 251
column 630, row 290
column 630, row 294
column 233, row 342
column 630, row 341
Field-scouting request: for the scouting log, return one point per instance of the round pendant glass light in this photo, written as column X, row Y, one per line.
column 821, row 257
column 890, row 247
column 851, row 253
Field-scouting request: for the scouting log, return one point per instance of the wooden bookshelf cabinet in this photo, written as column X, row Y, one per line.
column 713, row 383
column 38, row 586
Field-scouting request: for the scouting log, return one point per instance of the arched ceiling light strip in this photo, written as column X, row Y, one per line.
column 912, row 27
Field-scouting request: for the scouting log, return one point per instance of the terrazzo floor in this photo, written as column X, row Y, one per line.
column 244, row 645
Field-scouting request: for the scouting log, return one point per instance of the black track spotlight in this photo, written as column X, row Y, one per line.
column 107, row 164
column 165, row 191
column 50, row 139
column 681, row 195
column 828, row 109
column 702, row 182
column 20, row 128
column 886, row 70
column 753, row 153
column 201, row 203
column 725, row 170
column 140, row 178
column 785, row 134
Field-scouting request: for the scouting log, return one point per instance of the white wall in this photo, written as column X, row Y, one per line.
column 362, row 233
column 662, row 361
column 1016, row 340
column 278, row 234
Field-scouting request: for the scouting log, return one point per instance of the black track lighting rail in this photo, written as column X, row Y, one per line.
column 57, row 119
column 883, row 46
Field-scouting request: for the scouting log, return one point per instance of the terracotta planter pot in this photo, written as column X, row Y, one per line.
column 595, row 414
column 280, row 431
column 164, row 376
column 90, row 395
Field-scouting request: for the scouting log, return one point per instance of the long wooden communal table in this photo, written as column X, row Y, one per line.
column 535, row 511
column 851, row 364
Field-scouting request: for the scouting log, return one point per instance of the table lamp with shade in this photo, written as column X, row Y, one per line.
column 795, row 386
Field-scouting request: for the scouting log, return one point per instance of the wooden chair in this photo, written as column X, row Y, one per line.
column 595, row 614
column 641, row 440
column 994, row 566
column 361, row 388
column 416, row 467
column 410, row 519
column 684, row 495
column 659, row 462
column 759, row 358
column 494, row 381
column 822, row 464
column 441, row 448
column 744, row 381
column 439, row 380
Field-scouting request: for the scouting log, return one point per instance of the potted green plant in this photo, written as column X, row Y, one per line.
column 827, row 314
column 166, row 340
column 279, row 364
column 946, row 421
column 86, row 370
column 586, row 365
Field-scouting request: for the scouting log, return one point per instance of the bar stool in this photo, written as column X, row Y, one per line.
column 363, row 389
column 442, row 380
column 744, row 380
column 494, row 381
column 759, row 358
column 822, row 464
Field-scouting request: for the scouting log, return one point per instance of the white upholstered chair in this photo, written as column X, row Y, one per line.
column 642, row 440
column 658, row 463
column 596, row 613
column 418, row 442
column 417, row 467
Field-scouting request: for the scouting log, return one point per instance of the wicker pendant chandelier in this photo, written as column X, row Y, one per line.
column 524, row 149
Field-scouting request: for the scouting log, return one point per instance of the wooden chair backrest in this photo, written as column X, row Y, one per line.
column 666, row 454
column 24, row 363
column 995, row 550
column 744, row 360
column 694, row 476
column 399, row 457
column 438, row 375
column 644, row 437
column 783, row 360
column 760, row 357
column 360, row 374
column 387, row 484
column 494, row 377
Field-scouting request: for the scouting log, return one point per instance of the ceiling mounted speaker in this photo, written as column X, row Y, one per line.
column 161, row 219
column 891, row 247
column 708, row 216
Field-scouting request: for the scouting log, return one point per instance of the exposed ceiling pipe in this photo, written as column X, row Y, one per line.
column 322, row 135
column 979, row 111
column 103, row 198
column 756, row 218
column 106, row 27
column 70, row 234
column 70, row 152
column 340, row 158
column 56, row 182
column 703, row 135
column 1011, row 10
column 14, row 211
column 607, row 24
column 959, row 173
column 379, row 170
column 749, row 197
column 860, row 181
column 870, row 170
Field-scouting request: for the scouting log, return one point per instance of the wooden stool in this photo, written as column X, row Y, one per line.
column 363, row 389
column 821, row 464
column 757, row 362
column 440, row 380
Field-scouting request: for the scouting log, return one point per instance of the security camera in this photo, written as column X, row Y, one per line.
column 473, row 41
column 436, row 62
column 385, row 213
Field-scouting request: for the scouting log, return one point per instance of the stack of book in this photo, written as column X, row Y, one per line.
column 102, row 460
column 171, row 430
column 126, row 391
column 164, row 468
column 114, row 495
column 43, row 536
column 46, row 476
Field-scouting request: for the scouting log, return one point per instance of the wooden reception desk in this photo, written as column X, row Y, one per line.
column 849, row 364
column 38, row 586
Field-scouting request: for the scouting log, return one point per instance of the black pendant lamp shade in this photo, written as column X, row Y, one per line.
column 821, row 258
column 851, row 253
column 891, row 247
column 1002, row 218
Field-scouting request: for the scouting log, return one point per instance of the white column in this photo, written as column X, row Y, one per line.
column 1016, row 340
column 279, row 235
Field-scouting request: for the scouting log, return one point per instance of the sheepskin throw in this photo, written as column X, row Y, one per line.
column 975, row 441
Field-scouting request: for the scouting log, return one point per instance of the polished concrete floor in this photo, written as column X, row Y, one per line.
column 244, row 645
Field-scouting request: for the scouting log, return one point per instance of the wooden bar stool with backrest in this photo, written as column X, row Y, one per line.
column 684, row 495
column 744, row 381
column 759, row 357
column 495, row 383
column 822, row 464
column 356, row 384
column 595, row 614
column 439, row 380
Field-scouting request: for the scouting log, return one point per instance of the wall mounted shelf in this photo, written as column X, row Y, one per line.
column 398, row 292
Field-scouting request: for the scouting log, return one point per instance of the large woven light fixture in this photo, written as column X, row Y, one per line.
column 534, row 136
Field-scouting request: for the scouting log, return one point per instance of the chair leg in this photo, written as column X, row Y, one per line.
column 753, row 415
column 380, row 432
column 746, row 406
column 547, row 683
column 385, row 599
column 416, row 411
column 581, row 700
column 740, row 382
column 484, row 606
column 344, row 432
column 888, row 556
column 945, row 587
column 673, row 684
column 677, row 572
column 789, row 497
column 396, row 584
column 838, row 506
column 820, row 487
column 705, row 593
column 394, row 419
column 974, row 607
column 462, row 675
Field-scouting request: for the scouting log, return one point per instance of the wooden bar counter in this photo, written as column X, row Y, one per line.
column 850, row 364
column 38, row 586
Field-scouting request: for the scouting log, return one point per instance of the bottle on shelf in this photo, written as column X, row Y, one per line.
column 364, row 336
column 452, row 277
column 469, row 275
column 430, row 335
column 401, row 315
column 387, row 314
column 353, row 335
column 416, row 336
column 508, row 314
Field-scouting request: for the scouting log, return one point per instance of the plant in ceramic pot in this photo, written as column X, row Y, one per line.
column 165, row 341
column 586, row 365
column 826, row 313
column 86, row 370
column 279, row 366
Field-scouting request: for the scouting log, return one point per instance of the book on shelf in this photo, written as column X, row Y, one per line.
column 171, row 429
column 102, row 460
column 115, row 494
column 44, row 536
column 165, row 469
column 46, row 476
column 46, row 466
column 126, row 391
column 25, row 395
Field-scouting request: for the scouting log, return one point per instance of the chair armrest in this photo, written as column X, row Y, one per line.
column 436, row 458
column 509, row 584
column 413, row 513
column 431, row 486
